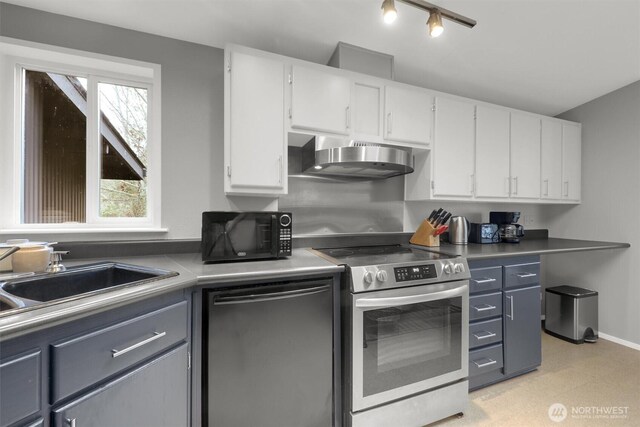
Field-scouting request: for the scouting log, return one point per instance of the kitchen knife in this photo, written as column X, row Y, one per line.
column 437, row 215
column 446, row 218
column 432, row 216
column 441, row 219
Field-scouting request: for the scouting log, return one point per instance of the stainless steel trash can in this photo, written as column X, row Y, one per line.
column 571, row 313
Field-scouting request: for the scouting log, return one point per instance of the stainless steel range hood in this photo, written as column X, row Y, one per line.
column 346, row 158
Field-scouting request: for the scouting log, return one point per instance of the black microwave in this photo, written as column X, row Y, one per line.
column 237, row 236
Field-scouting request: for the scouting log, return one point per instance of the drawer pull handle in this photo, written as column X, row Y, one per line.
column 482, row 365
column 525, row 275
column 487, row 334
column 156, row 336
column 482, row 281
column 71, row 422
column 485, row 307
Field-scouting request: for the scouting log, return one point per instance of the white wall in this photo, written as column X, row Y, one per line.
column 610, row 211
column 192, row 112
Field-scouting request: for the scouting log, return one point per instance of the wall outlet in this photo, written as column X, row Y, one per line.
column 529, row 220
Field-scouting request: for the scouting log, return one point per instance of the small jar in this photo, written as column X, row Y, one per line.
column 34, row 258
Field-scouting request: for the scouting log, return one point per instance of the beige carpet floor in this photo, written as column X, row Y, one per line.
column 598, row 384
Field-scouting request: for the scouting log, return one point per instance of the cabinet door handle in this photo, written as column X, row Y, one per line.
column 484, row 307
column 156, row 336
column 471, row 183
column 566, row 188
column 507, row 185
column 483, row 281
column 482, row 365
column 515, row 185
column 389, row 122
column 511, row 314
column 486, row 335
column 348, row 116
column 71, row 422
column 526, row 275
column 546, row 183
column 280, row 170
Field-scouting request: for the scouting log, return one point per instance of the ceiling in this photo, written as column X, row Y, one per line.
column 545, row 56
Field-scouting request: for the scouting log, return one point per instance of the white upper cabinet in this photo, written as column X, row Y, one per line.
column 551, row 160
column 255, row 146
column 367, row 112
column 492, row 152
column 408, row 115
column 571, row 161
column 320, row 101
column 453, row 151
column 525, row 156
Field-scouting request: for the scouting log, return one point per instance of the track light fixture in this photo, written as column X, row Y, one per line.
column 435, row 24
column 389, row 12
column 436, row 14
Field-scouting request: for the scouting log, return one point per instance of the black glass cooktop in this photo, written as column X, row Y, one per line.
column 377, row 255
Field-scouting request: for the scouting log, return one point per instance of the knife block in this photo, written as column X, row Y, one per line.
column 424, row 235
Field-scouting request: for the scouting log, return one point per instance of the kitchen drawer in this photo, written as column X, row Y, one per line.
column 485, row 332
column 485, row 360
column 485, row 279
column 19, row 387
column 521, row 274
column 82, row 361
column 484, row 306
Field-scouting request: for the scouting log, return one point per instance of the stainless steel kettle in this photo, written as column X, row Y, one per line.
column 458, row 230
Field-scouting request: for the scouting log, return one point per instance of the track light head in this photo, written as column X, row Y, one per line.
column 389, row 12
column 435, row 23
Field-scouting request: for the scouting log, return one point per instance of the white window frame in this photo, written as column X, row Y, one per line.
column 18, row 55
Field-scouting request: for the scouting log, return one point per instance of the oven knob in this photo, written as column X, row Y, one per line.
column 448, row 268
column 382, row 275
column 459, row 268
column 368, row 278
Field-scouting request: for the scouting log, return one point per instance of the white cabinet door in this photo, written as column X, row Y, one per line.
column 320, row 101
column 255, row 143
column 367, row 114
column 571, row 161
column 525, row 156
column 408, row 115
column 492, row 152
column 453, row 148
column 551, row 159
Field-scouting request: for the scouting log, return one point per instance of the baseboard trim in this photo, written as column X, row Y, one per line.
column 619, row 341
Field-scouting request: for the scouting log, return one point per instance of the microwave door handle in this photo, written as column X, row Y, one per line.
column 410, row 299
column 274, row 235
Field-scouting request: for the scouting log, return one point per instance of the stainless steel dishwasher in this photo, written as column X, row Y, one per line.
column 269, row 355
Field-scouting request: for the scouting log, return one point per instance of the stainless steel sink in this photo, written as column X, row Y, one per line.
column 76, row 282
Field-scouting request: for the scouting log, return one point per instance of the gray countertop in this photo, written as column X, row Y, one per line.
column 548, row 246
column 191, row 272
column 301, row 263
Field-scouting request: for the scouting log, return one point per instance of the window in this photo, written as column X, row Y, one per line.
column 85, row 143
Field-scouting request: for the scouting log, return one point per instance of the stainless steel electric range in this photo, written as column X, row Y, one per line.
column 404, row 336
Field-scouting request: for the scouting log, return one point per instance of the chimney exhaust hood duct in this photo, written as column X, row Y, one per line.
column 344, row 158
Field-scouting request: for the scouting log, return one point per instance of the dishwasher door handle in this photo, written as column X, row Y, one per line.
column 245, row 299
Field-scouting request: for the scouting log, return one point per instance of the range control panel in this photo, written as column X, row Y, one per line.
column 418, row 272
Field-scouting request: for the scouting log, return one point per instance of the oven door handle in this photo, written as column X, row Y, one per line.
column 409, row 299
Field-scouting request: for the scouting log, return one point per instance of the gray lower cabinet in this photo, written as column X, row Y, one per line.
column 504, row 319
column 522, row 340
column 154, row 395
column 20, row 387
column 129, row 366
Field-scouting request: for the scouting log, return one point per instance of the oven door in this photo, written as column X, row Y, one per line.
column 406, row 341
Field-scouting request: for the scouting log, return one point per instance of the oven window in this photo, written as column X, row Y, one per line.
column 411, row 343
